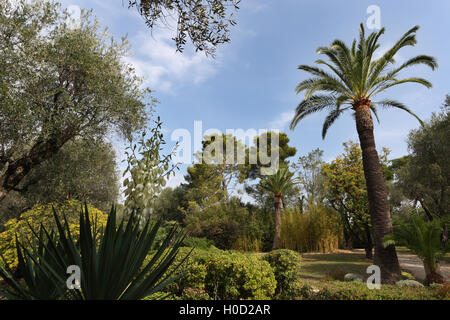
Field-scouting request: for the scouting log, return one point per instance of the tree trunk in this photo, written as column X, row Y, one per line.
column 277, row 236
column 42, row 150
column 369, row 244
column 444, row 235
column 385, row 258
column 432, row 273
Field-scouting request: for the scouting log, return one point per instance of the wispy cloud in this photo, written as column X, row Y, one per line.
column 162, row 67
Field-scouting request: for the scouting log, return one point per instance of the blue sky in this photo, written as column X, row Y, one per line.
column 251, row 82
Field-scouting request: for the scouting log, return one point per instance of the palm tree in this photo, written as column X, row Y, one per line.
column 356, row 78
column 424, row 239
column 279, row 184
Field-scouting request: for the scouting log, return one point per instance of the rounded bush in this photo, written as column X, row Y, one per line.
column 286, row 267
column 43, row 214
column 232, row 276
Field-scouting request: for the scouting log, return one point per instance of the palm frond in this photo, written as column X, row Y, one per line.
column 312, row 105
column 395, row 104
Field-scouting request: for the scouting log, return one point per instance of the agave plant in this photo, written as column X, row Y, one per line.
column 112, row 262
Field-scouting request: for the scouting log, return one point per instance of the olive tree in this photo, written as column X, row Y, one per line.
column 205, row 22
column 58, row 83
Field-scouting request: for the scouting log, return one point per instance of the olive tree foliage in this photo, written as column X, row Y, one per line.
column 84, row 170
column 58, row 83
column 205, row 22
column 424, row 175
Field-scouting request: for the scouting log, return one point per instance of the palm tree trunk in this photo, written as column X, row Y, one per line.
column 369, row 243
column 277, row 236
column 385, row 258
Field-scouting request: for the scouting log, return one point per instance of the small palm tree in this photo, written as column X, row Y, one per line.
column 356, row 78
column 279, row 184
column 424, row 239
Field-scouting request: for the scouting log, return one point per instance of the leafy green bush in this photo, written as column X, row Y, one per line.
column 43, row 214
column 199, row 243
column 337, row 290
column 286, row 267
column 193, row 270
column 234, row 275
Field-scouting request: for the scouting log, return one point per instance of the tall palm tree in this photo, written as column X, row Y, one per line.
column 357, row 77
column 279, row 184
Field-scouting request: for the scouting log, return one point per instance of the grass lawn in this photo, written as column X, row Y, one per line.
column 317, row 266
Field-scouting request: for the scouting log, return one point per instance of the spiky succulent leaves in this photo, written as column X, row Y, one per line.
column 14, row 290
column 40, row 265
column 354, row 75
column 116, row 269
column 111, row 262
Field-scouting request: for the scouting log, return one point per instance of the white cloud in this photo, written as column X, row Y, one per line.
column 283, row 120
column 162, row 67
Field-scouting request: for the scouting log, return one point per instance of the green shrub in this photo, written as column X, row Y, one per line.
column 199, row 243
column 286, row 267
column 338, row 290
column 195, row 294
column 233, row 275
column 43, row 214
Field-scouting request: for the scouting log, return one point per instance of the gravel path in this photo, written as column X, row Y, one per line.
column 414, row 265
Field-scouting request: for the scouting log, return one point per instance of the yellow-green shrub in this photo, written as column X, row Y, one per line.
column 43, row 214
column 315, row 230
column 233, row 275
column 286, row 266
